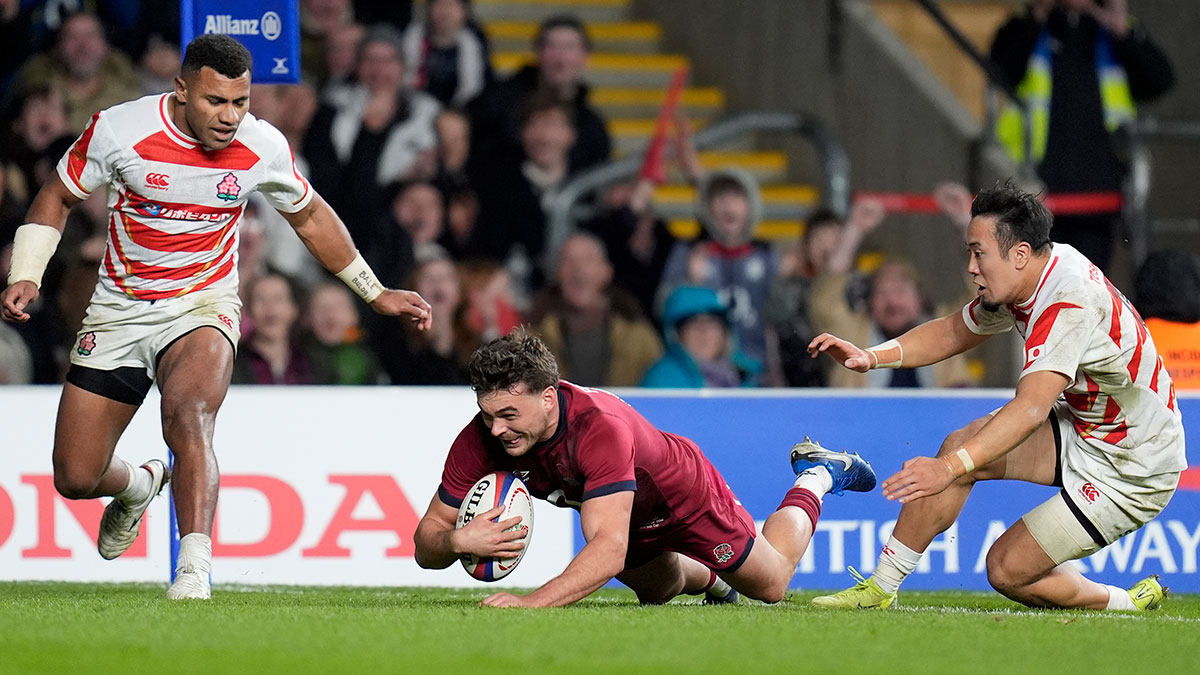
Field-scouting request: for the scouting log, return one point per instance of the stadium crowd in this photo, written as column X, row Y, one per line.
column 442, row 171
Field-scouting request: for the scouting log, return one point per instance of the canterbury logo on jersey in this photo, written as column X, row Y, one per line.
column 157, row 180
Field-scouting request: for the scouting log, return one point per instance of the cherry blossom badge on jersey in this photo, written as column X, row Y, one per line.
column 228, row 189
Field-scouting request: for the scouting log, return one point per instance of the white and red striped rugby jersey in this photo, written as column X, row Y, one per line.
column 1121, row 398
column 174, row 207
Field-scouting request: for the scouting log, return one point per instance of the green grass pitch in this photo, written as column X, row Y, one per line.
column 126, row 628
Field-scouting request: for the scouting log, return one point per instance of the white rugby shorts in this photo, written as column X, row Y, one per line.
column 120, row 331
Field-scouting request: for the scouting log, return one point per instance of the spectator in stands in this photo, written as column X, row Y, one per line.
column 319, row 20
column 789, row 325
column 562, row 48
column 895, row 304
column 41, row 135
column 701, row 349
column 333, row 340
column 420, row 211
column 447, row 58
column 440, row 355
column 158, row 66
column 492, row 308
column 90, row 74
column 727, row 258
column 1079, row 65
column 453, row 151
column 272, row 354
column 340, row 55
column 1167, row 288
column 596, row 332
column 512, row 223
column 636, row 237
column 16, row 360
column 375, row 135
column 462, row 216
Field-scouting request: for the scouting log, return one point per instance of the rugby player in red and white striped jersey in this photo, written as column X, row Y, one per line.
column 179, row 168
column 1094, row 414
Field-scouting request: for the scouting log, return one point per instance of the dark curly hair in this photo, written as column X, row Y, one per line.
column 517, row 358
column 1020, row 216
column 222, row 53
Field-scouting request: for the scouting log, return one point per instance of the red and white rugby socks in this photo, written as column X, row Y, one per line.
column 139, row 485
column 806, row 493
column 896, row 562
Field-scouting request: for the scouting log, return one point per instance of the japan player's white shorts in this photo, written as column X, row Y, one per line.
column 1094, row 508
column 120, row 332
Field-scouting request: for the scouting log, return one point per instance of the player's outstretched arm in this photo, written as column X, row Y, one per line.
column 323, row 232
column 928, row 343
column 605, row 524
column 34, row 245
column 438, row 544
column 1008, row 428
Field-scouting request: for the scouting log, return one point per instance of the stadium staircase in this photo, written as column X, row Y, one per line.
column 629, row 74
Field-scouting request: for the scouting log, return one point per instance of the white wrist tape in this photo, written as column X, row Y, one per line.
column 359, row 277
column 887, row 355
column 965, row 458
column 33, row 246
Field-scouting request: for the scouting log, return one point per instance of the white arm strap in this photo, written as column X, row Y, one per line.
column 33, row 246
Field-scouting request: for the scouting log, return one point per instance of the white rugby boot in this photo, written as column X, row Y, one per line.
column 192, row 568
column 122, row 521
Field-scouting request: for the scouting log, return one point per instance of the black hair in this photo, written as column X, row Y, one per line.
column 821, row 218
column 1020, row 216
column 722, row 183
column 545, row 101
column 1168, row 287
column 561, row 21
column 222, row 53
column 517, row 358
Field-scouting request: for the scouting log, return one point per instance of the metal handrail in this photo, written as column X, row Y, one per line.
column 834, row 161
column 997, row 81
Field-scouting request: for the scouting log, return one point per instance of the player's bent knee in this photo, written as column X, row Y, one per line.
column 1002, row 576
column 76, row 484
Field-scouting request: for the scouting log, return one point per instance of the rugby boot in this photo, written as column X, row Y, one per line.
column 848, row 470
column 1148, row 593
column 866, row 594
column 122, row 521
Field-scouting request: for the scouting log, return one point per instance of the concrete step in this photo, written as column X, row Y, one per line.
column 537, row 10
column 630, row 37
column 771, row 230
column 766, row 166
column 630, row 136
column 780, row 202
column 698, row 102
column 609, row 69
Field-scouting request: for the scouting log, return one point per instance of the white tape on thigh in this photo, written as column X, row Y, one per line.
column 1058, row 531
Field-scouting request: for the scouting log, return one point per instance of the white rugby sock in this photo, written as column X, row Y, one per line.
column 1118, row 599
column 195, row 553
column 139, row 485
column 816, row 480
column 896, row 562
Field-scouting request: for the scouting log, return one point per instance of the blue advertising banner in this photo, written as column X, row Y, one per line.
column 748, row 436
column 270, row 29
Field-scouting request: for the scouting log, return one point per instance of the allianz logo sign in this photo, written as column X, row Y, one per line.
column 269, row 26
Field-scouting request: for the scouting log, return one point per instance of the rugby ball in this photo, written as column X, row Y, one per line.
column 500, row 488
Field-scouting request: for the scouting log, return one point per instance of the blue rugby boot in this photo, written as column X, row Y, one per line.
column 848, row 470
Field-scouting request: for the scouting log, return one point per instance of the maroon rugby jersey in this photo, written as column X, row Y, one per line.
column 602, row 446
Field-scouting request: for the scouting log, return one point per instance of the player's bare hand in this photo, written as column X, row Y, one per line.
column 487, row 539
column 16, row 298
column 505, row 600
column 842, row 351
column 397, row 303
column 920, row 477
